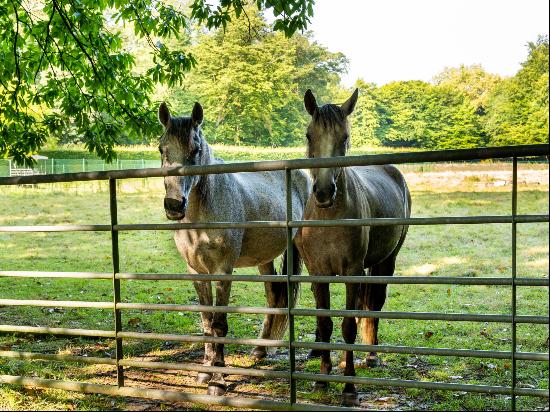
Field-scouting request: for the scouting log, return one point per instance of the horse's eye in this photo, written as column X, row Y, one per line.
column 308, row 137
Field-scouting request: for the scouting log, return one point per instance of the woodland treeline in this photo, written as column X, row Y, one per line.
column 251, row 82
column 94, row 72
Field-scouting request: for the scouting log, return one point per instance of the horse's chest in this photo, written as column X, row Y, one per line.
column 334, row 250
column 205, row 252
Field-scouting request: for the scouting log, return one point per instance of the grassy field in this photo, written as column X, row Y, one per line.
column 476, row 250
column 226, row 152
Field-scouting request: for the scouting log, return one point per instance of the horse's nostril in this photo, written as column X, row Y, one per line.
column 172, row 205
column 332, row 189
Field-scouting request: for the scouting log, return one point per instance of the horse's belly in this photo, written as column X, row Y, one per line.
column 261, row 246
column 330, row 251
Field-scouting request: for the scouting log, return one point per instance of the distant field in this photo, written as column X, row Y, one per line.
column 459, row 250
column 226, row 152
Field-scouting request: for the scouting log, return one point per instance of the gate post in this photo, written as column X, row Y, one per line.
column 289, row 273
column 514, row 270
column 116, row 282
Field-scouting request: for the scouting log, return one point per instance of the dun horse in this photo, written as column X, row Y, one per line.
column 237, row 197
column 349, row 193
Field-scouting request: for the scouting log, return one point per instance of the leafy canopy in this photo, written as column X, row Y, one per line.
column 65, row 68
column 251, row 80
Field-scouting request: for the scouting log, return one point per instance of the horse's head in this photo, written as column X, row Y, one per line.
column 180, row 145
column 328, row 135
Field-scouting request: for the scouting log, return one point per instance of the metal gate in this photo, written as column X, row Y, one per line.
column 292, row 375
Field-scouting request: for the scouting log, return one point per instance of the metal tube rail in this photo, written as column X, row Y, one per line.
column 48, row 274
column 404, row 350
column 496, row 390
column 465, row 317
column 164, row 395
column 412, row 221
column 398, row 280
column 270, row 165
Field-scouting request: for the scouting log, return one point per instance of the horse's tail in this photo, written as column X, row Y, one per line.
column 280, row 322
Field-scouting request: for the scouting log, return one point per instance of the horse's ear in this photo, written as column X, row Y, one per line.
column 309, row 102
column 197, row 114
column 164, row 114
column 349, row 105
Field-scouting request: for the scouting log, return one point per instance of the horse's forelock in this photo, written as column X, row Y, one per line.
column 180, row 127
column 330, row 116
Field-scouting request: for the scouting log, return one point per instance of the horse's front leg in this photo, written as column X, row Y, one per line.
column 217, row 385
column 349, row 332
column 324, row 328
column 204, row 291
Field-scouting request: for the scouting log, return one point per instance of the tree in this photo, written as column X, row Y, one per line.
column 517, row 111
column 251, row 80
column 473, row 81
column 64, row 65
column 365, row 119
column 418, row 114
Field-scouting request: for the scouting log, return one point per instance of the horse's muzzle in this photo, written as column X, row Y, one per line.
column 324, row 197
column 175, row 209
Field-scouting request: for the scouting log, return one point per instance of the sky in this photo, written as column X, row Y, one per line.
column 388, row 40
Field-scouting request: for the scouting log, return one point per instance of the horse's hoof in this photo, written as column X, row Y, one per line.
column 203, row 377
column 314, row 353
column 216, row 389
column 320, row 386
column 258, row 353
column 372, row 362
column 350, row 399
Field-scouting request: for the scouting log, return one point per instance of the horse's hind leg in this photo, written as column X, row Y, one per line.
column 276, row 295
column 373, row 300
column 204, row 291
column 217, row 385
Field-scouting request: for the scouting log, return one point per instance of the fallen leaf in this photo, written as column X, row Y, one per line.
column 134, row 321
column 428, row 334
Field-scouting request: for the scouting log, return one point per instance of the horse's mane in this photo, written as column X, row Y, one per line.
column 180, row 126
column 329, row 115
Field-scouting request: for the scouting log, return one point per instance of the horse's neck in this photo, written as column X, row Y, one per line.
column 201, row 196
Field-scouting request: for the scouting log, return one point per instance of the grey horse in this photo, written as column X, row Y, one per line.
column 349, row 193
column 236, row 197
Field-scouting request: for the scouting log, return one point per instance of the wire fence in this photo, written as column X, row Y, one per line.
column 54, row 166
column 116, row 277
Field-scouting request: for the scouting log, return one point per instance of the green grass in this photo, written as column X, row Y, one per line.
column 457, row 250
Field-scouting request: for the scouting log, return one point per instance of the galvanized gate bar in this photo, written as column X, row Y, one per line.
column 270, row 165
column 116, row 282
column 57, row 357
column 290, row 294
column 514, row 268
column 500, row 390
column 202, row 339
column 412, row 221
column 57, row 331
column 417, row 350
column 164, row 395
column 405, row 280
column 42, row 274
column 405, row 350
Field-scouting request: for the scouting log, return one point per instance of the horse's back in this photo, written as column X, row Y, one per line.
column 384, row 189
column 383, row 193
